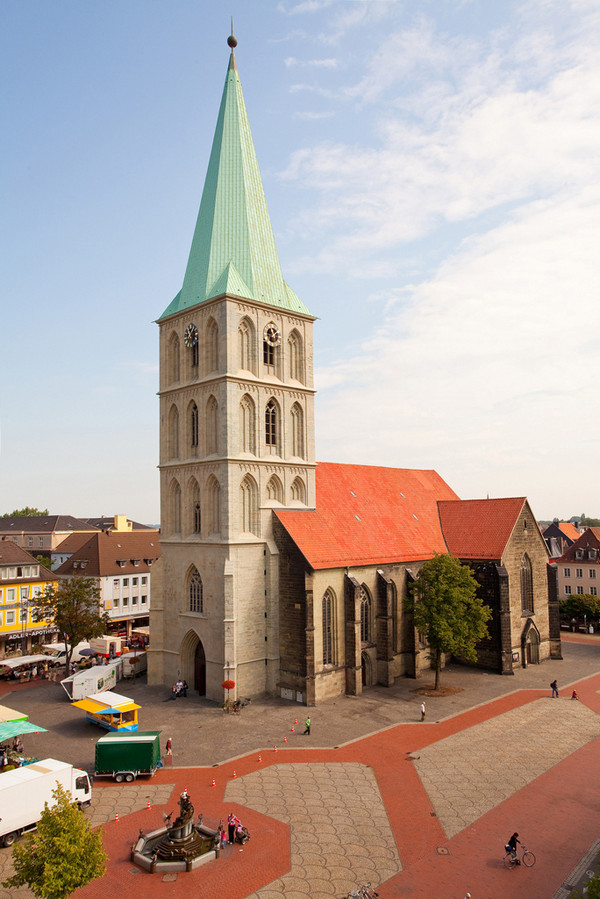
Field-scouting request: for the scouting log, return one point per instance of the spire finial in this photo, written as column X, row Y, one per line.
column 231, row 40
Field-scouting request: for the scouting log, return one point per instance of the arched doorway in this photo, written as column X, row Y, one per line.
column 531, row 644
column 200, row 669
column 365, row 669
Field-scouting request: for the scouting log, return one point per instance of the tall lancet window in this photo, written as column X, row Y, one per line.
column 271, row 424
column 526, row 586
column 194, row 425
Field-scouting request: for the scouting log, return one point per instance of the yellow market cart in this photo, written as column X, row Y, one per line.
column 111, row 711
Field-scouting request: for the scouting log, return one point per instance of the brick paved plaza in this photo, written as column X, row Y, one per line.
column 419, row 809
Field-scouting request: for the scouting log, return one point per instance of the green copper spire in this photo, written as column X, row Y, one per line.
column 233, row 250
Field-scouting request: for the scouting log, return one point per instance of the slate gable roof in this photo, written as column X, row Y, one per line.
column 102, row 554
column 479, row 528
column 43, row 524
column 367, row 515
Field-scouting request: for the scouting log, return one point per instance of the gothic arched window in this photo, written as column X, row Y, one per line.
column 275, row 489
column 526, row 586
column 271, row 423
column 365, row 616
column 195, row 592
column 194, row 425
column 297, row 430
column 173, row 433
column 296, row 356
column 247, row 425
column 175, row 507
column 328, row 627
column 213, row 506
column 212, row 409
column 249, row 505
column 212, row 346
column 247, row 346
column 298, row 490
column 196, row 507
column 173, row 357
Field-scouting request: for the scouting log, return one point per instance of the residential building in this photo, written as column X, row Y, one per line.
column 579, row 566
column 22, row 578
column 121, row 564
column 559, row 536
column 287, row 576
column 41, row 534
column 118, row 523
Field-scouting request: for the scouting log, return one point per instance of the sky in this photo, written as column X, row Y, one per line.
column 432, row 175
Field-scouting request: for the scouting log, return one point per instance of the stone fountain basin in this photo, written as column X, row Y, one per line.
column 141, row 853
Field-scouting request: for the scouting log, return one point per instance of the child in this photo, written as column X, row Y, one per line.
column 574, row 695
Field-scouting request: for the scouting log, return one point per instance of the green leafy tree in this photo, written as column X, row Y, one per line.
column 46, row 561
column 586, row 522
column 27, row 512
column 62, row 856
column 447, row 610
column 580, row 606
column 591, row 888
column 75, row 609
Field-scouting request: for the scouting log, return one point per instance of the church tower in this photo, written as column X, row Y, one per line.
column 236, row 431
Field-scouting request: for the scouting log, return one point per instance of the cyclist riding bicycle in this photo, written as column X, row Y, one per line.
column 511, row 847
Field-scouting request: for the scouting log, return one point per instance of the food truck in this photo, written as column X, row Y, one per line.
column 111, row 711
column 92, row 680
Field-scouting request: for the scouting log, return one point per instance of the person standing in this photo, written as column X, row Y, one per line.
column 170, row 746
column 307, row 728
column 554, row 688
column 422, row 711
column 231, row 822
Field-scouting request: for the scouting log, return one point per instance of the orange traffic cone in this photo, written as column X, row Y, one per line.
column 284, row 738
column 296, row 721
column 234, row 774
column 213, row 783
column 148, row 806
column 292, row 728
column 275, row 749
column 116, row 816
column 259, row 757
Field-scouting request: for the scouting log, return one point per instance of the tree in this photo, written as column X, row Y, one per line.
column 75, row 609
column 580, row 606
column 27, row 512
column 62, row 856
column 46, row 561
column 447, row 610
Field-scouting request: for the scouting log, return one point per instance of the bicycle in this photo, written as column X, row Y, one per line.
column 527, row 857
column 365, row 891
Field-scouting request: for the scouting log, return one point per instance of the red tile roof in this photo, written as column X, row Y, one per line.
column 367, row 515
column 479, row 528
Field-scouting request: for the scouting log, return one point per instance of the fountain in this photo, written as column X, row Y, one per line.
column 180, row 846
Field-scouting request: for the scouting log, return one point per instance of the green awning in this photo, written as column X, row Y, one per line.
column 12, row 729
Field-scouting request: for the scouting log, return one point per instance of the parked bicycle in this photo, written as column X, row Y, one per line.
column 512, row 860
column 364, row 891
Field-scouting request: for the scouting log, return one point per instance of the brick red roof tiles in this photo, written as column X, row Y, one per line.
column 479, row 528
column 367, row 515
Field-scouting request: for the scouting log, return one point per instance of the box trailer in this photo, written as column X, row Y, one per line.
column 134, row 663
column 106, row 646
column 25, row 791
column 92, row 680
column 126, row 756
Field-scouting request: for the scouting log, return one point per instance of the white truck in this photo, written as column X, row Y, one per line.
column 24, row 792
column 58, row 652
column 92, row 680
column 134, row 663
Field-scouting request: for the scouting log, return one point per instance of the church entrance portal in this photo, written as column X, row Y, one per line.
column 200, row 670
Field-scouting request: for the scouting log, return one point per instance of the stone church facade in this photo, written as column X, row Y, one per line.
column 287, row 577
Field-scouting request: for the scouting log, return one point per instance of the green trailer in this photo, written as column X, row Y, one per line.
column 124, row 756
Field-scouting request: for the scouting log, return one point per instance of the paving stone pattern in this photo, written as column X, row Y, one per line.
column 106, row 803
column 470, row 773
column 340, row 832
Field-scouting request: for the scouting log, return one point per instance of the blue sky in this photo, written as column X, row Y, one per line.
column 432, row 174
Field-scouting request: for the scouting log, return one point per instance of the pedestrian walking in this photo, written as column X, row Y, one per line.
column 307, row 729
column 185, row 688
column 422, row 711
column 170, row 746
column 554, row 688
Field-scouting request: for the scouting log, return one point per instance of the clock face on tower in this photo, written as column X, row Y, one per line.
column 272, row 335
column 190, row 337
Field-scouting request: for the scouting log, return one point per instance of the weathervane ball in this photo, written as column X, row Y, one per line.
column 231, row 41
